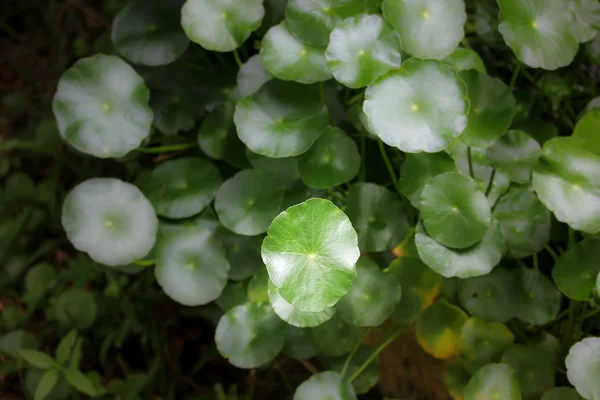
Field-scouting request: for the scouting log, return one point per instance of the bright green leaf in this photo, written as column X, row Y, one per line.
column 66, row 347
column 81, row 382
column 583, row 367
column 294, row 317
column 464, row 59
column 37, row 359
column 46, row 384
column 326, row 385
column 494, row 381
column 438, row 329
column 251, row 76
column 417, row 169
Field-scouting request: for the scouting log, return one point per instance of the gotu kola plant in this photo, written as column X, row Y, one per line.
column 361, row 165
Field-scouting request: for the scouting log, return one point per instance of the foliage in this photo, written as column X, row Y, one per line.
column 295, row 175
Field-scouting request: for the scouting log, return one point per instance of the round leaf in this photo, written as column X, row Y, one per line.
column 494, row 381
column 274, row 123
column 464, row 59
column 490, row 296
column 335, row 337
column 182, row 187
column 583, row 367
column 294, row 317
column 540, row 301
column 534, row 366
column 438, row 329
column 367, row 378
column 218, row 137
column 251, row 76
column 378, row 216
column 361, row 49
column 586, row 132
column 417, row 169
column 483, row 342
column 76, row 308
column 538, row 31
column 250, row 335
column 101, row 107
column 576, row 270
column 454, row 212
column 243, row 253
column 285, row 170
column 287, row 58
column 310, row 253
column 429, row 28
column 456, row 379
column 492, row 109
column 372, row 297
column 327, row 385
column 149, row 33
column 111, row 220
column 515, row 154
column 247, row 203
column 586, row 15
column 191, row 267
column 299, row 343
column 421, row 106
column 334, row 159
column 258, row 286
column 221, row 25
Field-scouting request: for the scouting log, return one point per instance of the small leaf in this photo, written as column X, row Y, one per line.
column 46, row 384
column 576, row 270
column 76, row 308
column 464, row 59
column 66, row 347
column 534, row 366
column 456, row 379
column 81, row 382
column 583, row 365
column 494, row 380
column 483, row 342
column 326, row 385
column 541, row 299
column 335, row 337
column 490, row 296
column 258, row 286
column 586, row 132
column 251, row 76
column 12, row 342
column 37, row 359
column 234, row 294
column 243, row 253
column 438, row 329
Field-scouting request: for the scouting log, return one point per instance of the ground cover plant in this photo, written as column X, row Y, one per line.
column 256, row 199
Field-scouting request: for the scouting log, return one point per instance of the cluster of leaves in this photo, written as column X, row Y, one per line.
column 266, row 203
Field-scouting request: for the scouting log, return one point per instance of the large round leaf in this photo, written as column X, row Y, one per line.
column 464, row 59
column 101, row 107
column 282, row 119
column 567, row 181
column 287, row 58
column 438, row 329
column 149, row 32
column 248, row 202
column 327, row 385
column 538, row 31
column 361, row 49
column 534, row 366
column 221, row 25
column 492, row 109
column 251, row 76
column 191, row 266
column 417, row 169
column 490, row 296
column 331, row 161
column 483, row 342
column 494, row 381
column 421, row 106
column 111, row 220
column 243, row 253
column 429, row 28
column 583, row 367
column 367, row 378
column 476, row 260
column 576, row 270
column 378, row 216
column 294, row 317
column 372, row 297
column 310, row 253
column 76, row 308
column 250, row 335
column 540, row 300
column 515, row 154
column 454, row 212
column 335, row 337
column 183, row 187
column 524, row 220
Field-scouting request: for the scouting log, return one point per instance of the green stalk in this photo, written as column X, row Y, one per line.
column 349, row 358
column 551, row 251
column 490, row 183
column 238, row 61
column 515, row 75
column 166, row 149
column 375, row 353
column 470, row 159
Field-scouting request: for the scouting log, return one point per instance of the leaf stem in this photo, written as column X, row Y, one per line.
column 238, row 61
column 349, row 358
column 145, row 263
column 166, row 149
column 515, row 75
column 375, row 353
column 490, row 183
column 363, row 155
column 355, row 98
column 551, row 251
column 388, row 165
column 311, row 368
column 470, row 160
column 536, row 265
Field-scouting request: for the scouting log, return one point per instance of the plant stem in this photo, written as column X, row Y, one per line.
column 490, row 183
column 238, row 61
column 470, row 160
column 363, row 155
column 336, row 195
column 375, row 353
column 551, row 251
column 349, row 358
column 501, row 196
column 536, row 266
column 166, row 149
column 355, row 98
column 515, row 75
column 388, row 165
column 145, row 263
column 311, row 368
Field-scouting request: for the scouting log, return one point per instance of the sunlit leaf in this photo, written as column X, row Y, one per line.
column 294, row 317
column 326, row 385
column 583, row 366
column 494, row 380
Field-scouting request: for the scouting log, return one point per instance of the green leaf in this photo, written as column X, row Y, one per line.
column 335, row 337
column 372, row 298
column 429, row 29
column 576, row 270
column 37, row 359
column 258, row 287
column 490, row 296
column 80, row 382
column 251, row 76
column 299, row 343
column 46, row 384
column 421, row 106
column 221, row 25
column 438, row 329
column 171, row 114
column 285, row 170
column 326, row 385
column 524, row 220
column 243, row 253
column 492, row 109
column 247, row 203
column 13, row 342
column 273, row 123
column 477, row 260
column 182, row 187
column 583, row 367
column 417, row 169
column 586, row 132
column 456, row 379
column 294, row 317
column 540, row 301
column 454, row 212
column 334, row 159
column 101, row 107
column 561, row 393
column 515, row 154
column 367, row 379
column 38, row 281
column 289, row 59
column 483, row 342
column 234, row 294
column 377, row 215
column 586, row 15
column 76, row 308
column 538, row 31
column 494, row 380
column 310, row 253
column 567, row 181
column 250, row 335
column 534, row 366
column 191, row 267
column 111, row 220
column 66, row 347
column 362, row 48
column 465, row 59
column 149, row 33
